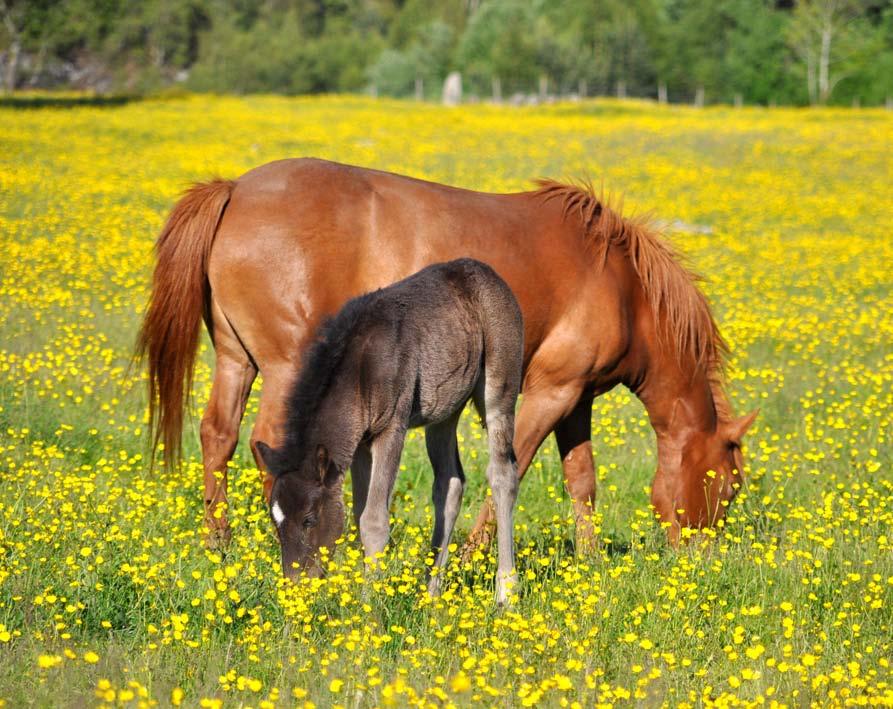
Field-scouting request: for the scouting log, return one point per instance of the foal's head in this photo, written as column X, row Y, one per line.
column 306, row 507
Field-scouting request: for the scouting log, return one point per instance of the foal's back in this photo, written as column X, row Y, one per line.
column 424, row 340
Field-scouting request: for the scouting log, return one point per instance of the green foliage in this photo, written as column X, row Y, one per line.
column 500, row 42
column 427, row 58
column 762, row 51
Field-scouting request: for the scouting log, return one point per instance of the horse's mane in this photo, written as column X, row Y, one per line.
column 671, row 287
column 318, row 371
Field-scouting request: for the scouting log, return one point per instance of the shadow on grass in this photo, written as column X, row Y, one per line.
column 38, row 102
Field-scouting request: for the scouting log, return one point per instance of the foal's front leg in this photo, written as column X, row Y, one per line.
column 360, row 472
column 375, row 519
column 449, row 483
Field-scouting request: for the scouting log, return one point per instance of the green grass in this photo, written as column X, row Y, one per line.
column 791, row 600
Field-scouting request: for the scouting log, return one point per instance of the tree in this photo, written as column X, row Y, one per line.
column 755, row 58
column 603, row 43
column 826, row 35
column 499, row 43
column 21, row 23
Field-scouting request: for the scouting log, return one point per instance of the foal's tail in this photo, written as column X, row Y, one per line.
column 171, row 327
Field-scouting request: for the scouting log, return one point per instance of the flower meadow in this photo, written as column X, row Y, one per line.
column 109, row 597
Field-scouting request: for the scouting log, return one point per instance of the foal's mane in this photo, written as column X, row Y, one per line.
column 671, row 288
column 319, row 367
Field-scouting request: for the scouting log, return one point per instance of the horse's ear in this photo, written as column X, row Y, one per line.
column 736, row 429
column 270, row 459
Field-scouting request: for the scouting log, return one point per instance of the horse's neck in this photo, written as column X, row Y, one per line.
column 676, row 393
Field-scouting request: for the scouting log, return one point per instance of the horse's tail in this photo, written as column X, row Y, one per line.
column 172, row 324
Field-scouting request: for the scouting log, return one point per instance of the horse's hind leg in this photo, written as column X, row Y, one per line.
column 233, row 374
column 449, row 483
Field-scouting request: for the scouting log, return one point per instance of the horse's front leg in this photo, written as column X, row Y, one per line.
column 574, row 436
column 374, row 522
column 540, row 411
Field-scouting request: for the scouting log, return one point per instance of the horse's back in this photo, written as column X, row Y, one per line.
column 302, row 236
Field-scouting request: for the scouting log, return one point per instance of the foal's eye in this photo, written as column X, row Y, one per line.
column 309, row 521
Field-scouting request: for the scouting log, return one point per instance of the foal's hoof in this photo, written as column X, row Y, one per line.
column 506, row 590
column 434, row 590
column 218, row 538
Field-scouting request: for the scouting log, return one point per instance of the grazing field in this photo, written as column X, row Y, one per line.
column 107, row 595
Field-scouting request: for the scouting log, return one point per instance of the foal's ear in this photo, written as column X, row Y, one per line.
column 270, row 458
column 322, row 462
column 328, row 474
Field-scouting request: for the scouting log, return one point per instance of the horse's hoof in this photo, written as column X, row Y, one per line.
column 586, row 546
column 218, row 538
column 468, row 550
column 477, row 541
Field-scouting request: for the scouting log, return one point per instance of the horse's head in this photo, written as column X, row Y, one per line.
column 699, row 472
column 306, row 507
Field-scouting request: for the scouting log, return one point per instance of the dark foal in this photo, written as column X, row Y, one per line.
column 408, row 355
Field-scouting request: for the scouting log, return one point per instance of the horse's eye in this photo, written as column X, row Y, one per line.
column 309, row 521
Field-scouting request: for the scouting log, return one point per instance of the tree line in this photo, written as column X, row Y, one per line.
column 735, row 51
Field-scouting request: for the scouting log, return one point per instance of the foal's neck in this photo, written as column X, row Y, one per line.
column 341, row 423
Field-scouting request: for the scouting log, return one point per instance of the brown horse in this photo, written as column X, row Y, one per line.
column 264, row 258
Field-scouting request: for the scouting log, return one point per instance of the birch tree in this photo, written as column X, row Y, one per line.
column 821, row 34
column 12, row 16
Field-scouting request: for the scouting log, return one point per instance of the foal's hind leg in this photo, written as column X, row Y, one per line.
column 497, row 406
column 541, row 409
column 449, row 483
column 502, row 474
column 233, row 374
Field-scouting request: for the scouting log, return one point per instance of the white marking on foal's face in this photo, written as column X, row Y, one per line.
column 278, row 514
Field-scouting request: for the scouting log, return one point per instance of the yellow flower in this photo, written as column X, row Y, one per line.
column 754, row 652
column 460, row 682
column 45, row 662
